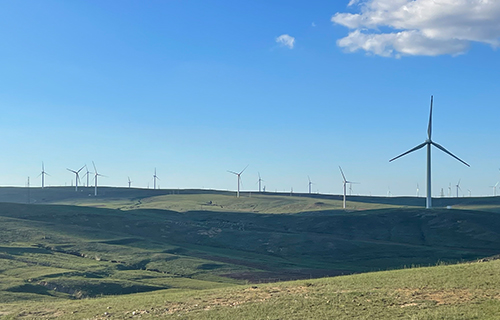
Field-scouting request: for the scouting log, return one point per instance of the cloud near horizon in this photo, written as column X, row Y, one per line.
column 286, row 40
column 392, row 28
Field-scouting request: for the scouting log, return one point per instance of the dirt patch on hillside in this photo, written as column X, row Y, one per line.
column 253, row 294
column 268, row 277
column 440, row 297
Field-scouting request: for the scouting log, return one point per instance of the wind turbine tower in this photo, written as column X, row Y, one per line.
column 458, row 186
column 310, row 184
column 96, row 174
column 345, row 182
column 428, row 143
column 129, row 182
column 77, row 178
column 260, row 181
column 155, row 177
column 239, row 179
column 43, row 173
column 494, row 189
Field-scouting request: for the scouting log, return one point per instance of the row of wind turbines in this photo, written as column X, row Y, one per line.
column 428, row 143
column 44, row 173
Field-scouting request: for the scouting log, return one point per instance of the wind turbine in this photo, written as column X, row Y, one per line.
column 428, row 143
column 77, row 178
column 129, row 182
column 155, row 177
column 458, row 186
column 310, row 184
column 259, row 181
column 43, row 173
column 87, row 174
column 418, row 191
column 494, row 189
column 345, row 184
column 449, row 190
column 96, row 174
column 239, row 179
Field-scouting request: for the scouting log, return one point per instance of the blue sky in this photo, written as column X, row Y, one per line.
column 195, row 88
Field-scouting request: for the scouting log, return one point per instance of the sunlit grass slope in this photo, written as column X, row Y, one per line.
column 67, row 252
column 464, row 291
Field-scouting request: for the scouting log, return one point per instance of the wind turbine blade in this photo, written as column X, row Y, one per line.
column 343, row 176
column 81, row 168
column 420, row 146
column 95, row 169
column 429, row 129
column 244, row 169
column 232, row 172
column 71, row 170
column 448, row 152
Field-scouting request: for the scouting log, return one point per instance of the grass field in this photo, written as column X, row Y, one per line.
column 464, row 291
column 130, row 246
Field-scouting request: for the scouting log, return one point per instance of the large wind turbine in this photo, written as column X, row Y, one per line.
column 239, row 179
column 43, row 173
column 96, row 174
column 310, row 184
column 129, row 182
column 345, row 184
column 77, row 178
column 429, row 143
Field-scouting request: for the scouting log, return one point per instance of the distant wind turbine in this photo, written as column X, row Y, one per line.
column 310, row 184
column 345, row 182
column 418, row 191
column 87, row 173
column 155, row 177
column 494, row 189
column 42, row 174
column 458, row 186
column 96, row 174
column 259, row 181
column 77, row 178
column 239, row 179
column 429, row 143
column 129, row 182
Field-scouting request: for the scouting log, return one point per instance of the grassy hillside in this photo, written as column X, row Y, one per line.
column 215, row 200
column 464, row 291
column 75, row 252
column 164, row 245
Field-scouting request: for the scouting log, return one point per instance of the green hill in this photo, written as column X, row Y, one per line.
column 71, row 245
column 464, row 291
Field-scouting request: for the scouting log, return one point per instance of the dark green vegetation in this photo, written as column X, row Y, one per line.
column 71, row 245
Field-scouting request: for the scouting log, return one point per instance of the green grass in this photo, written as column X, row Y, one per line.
column 139, row 248
column 464, row 291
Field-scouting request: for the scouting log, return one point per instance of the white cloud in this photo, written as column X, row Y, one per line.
column 286, row 40
column 420, row 27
